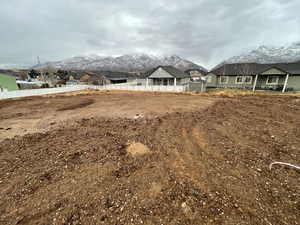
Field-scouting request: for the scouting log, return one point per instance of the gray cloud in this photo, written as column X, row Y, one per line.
column 205, row 31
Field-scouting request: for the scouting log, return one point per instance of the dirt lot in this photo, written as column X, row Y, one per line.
column 39, row 114
column 136, row 158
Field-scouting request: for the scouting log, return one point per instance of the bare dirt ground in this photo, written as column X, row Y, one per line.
column 187, row 160
column 39, row 114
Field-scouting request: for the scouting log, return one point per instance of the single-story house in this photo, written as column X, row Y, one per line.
column 111, row 77
column 166, row 75
column 8, row 83
column 96, row 77
column 196, row 74
column 281, row 76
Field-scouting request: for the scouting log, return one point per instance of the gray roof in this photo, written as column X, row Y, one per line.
column 291, row 68
column 237, row 69
column 111, row 75
column 170, row 69
column 255, row 68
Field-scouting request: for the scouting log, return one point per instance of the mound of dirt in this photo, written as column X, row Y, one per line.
column 205, row 167
column 82, row 104
column 137, row 149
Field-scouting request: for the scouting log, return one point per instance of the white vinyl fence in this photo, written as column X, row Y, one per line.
column 41, row 91
column 125, row 86
column 134, row 87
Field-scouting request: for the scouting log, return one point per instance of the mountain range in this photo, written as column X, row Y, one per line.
column 143, row 62
column 138, row 62
column 269, row 54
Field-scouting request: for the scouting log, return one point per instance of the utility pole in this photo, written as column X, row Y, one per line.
column 38, row 60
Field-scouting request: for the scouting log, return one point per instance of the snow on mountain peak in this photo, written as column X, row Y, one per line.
column 269, row 54
column 130, row 62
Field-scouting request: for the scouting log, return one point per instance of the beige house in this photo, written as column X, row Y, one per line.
column 280, row 77
column 167, row 76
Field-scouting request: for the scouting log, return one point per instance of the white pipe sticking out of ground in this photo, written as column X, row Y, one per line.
column 283, row 163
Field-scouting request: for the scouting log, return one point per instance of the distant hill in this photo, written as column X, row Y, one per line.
column 140, row 62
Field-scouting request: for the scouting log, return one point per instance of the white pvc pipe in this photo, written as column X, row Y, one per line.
column 283, row 163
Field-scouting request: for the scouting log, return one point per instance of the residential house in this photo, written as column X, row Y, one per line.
column 112, row 77
column 281, row 76
column 166, row 75
column 196, row 74
column 97, row 77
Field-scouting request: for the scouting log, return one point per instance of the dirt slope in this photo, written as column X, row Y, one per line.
column 198, row 167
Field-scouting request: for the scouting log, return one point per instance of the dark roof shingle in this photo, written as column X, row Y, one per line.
column 111, row 75
column 255, row 68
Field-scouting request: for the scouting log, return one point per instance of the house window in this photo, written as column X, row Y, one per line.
column 272, row 80
column 223, row 79
column 239, row 80
column 165, row 82
column 243, row 80
column 157, row 81
column 171, row 81
column 248, row 79
column 209, row 78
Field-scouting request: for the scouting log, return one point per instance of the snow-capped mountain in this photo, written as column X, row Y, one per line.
column 268, row 54
column 138, row 62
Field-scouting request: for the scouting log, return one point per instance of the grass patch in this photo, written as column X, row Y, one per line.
column 241, row 92
column 210, row 92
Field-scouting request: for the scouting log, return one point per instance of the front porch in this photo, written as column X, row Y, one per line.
column 271, row 79
column 272, row 83
column 162, row 81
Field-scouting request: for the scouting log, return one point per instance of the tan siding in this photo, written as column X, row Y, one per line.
column 294, row 82
column 213, row 82
column 232, row 83
column 273, row 71
column 160, row 73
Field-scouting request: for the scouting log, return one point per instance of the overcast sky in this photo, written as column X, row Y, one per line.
column 204, row 31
